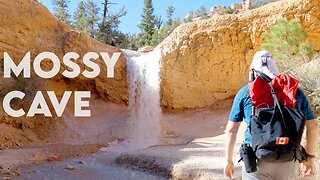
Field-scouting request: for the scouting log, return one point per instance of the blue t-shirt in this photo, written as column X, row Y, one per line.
column 242, row 108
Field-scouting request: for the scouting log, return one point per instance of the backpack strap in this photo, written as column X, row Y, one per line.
column 262, row 75
column 277, row 105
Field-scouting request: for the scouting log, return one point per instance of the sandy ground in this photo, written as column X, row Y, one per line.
column 110, row 121
column 191, row 147
column 200, row 159
column 98, row 166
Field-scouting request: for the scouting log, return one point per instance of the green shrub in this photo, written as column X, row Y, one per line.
column 286, row 42
column 29, row 86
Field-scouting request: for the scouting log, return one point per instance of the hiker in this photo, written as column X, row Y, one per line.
column 242, row 108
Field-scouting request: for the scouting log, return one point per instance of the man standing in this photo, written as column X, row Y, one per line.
column 242, row 109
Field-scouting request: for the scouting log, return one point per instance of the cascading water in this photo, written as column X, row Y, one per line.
column 144, row 97
column 144, row 102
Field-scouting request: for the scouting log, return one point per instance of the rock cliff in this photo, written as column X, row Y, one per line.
column 207, row 61
column 28, row 26
column 203, row 62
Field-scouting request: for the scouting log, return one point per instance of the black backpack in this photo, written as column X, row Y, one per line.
column 277, row 131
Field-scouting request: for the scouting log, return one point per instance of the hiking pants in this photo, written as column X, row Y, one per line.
column 273, row 171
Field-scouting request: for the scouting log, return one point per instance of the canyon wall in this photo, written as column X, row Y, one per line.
column 207, row 61
column 203, row 62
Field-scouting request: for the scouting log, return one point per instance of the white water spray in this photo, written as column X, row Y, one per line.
column 144, row 97
column 144, row 102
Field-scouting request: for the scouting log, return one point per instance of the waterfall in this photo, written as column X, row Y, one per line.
column 144, row 97
column 143, row 74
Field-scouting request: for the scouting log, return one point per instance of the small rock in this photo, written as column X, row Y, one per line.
column 5, row 171
column 70, row 167
column 54, row 158
column 32, row 171
column 113, row 143
column 80, row 162
column 17, row 173
column 146, row 49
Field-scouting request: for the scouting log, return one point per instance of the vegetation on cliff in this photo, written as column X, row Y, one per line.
column 286, row 41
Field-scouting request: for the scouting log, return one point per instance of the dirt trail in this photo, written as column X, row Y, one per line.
column 191, row 147
column 177, row 128
column 98, row 166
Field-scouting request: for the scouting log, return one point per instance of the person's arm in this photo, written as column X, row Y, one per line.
column 231, row 137
column 235, row 118
column 312, row 138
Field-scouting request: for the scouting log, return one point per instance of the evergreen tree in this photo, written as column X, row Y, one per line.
column 259, row 3
column 164, row 31
column 286, row 42
column 109, row 28
column 61, row 10
column 203, row 13
column 134, row 42
column 158, row 22
column 92, row 17
column 147, row 25
column 170, row 12
column 81, row 17
column 189, row 17
column 228, row 10
column 104, row 24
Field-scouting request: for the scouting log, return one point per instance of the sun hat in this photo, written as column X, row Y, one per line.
column 262, row 61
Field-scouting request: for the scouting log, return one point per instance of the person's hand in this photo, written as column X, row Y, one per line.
column 307, row 167
column 229, row 170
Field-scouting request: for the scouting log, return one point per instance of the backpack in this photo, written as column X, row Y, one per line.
column 276, row 128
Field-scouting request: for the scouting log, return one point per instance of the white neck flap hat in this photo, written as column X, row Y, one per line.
column 262, row 61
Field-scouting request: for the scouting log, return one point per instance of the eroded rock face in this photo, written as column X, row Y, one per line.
column 203, row 62
column 28, row 26
column 207, row 61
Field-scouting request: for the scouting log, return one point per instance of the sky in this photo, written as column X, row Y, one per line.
column 129, row 23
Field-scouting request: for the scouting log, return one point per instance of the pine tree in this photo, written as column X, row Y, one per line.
column 170, row 12
column 109, row 28
column 203, row 12
column 228, row 10
column 92, row 17
column 286, row 42
column 61, row 10
column 165, row 30
column 104, row 24
column 189, row 17
column 158, row 22
column 147, row 25
column 81, row 17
